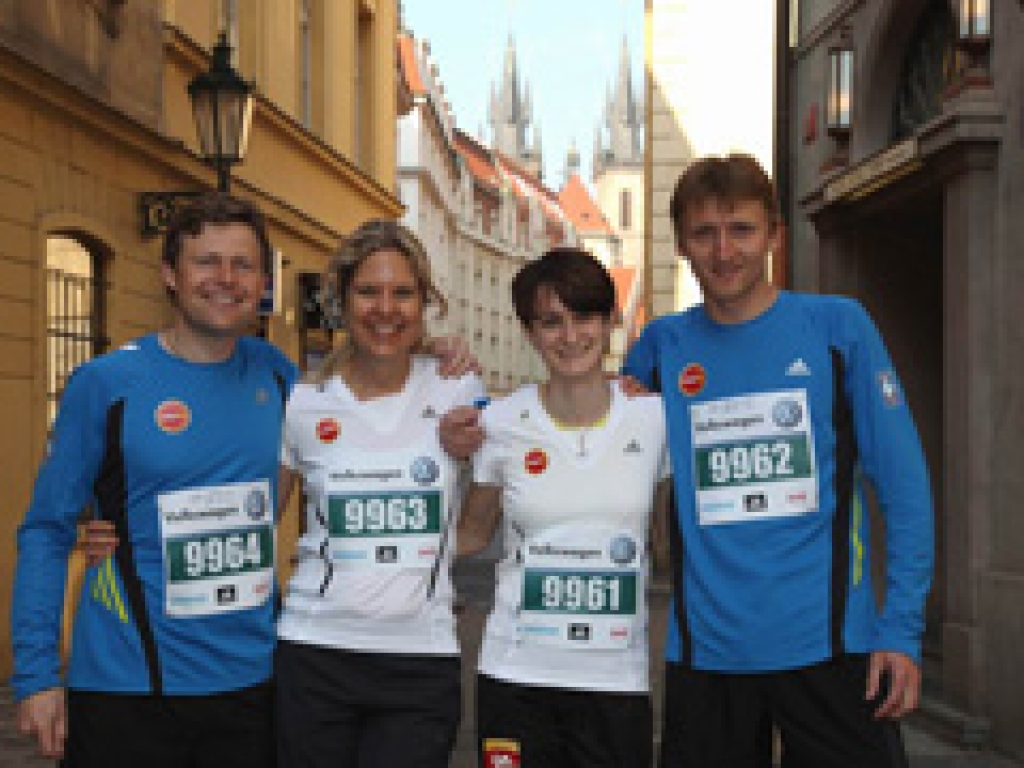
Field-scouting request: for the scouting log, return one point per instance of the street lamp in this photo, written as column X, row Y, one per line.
column 222, row 104
column 839, row 99
column 974, row 36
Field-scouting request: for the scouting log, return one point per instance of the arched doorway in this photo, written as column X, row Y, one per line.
column 75, row 308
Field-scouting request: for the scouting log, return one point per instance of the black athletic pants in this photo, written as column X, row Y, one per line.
column 348, row 709
column 718, row 719
column 224, row 730
column 560, row 728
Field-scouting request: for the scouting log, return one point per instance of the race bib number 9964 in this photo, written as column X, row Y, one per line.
column 218, row 547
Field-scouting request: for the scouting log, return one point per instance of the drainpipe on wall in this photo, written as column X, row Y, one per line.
column 782, row 162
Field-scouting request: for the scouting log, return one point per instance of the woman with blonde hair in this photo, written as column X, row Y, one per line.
column 367, row 664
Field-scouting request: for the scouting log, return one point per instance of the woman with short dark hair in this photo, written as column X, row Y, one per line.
column 571, row 465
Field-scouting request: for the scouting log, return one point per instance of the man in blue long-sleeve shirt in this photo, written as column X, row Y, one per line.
column 780, row 408
column 174, row 438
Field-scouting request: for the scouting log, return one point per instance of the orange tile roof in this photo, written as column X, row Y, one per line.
column 526, row 186
column 624, row 279
column 581, row 209
column 410, row 66
column 492, row 168
column 477, row 158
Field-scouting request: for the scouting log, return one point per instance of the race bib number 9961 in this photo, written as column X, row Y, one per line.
column 580, row 592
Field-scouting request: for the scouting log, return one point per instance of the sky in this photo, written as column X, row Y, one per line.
column 568, row 51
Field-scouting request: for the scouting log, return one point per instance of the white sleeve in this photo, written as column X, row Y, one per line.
column 472, row 390
column 289, row 450
column 489, row 460
column 665, row 460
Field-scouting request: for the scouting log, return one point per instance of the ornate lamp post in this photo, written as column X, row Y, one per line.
column 222, row 104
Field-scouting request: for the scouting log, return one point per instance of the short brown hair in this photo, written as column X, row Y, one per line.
column 578, row 279
column 732, row 179
column 215, row 208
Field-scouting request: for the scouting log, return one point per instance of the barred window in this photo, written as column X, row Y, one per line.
column 75, row 302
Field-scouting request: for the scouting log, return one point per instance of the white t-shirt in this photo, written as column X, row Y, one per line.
column 570, row 606
column 382, row 497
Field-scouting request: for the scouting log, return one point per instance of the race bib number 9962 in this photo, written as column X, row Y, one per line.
column 753, row 457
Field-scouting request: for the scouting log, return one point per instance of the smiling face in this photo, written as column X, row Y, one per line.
column 727, row 245
column 384, row 306
column 571, row 344
column 217, row 281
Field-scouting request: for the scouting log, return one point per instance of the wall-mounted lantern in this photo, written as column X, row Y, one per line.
column 222, row 105
column 974, row 38
column 839, row 98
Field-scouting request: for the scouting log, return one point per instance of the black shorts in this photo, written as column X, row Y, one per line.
column 365, row 710
column 224, row 730
column 540, row 727
column 725, row 720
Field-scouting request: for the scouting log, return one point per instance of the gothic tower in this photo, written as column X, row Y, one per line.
column 619, row 162
column 511, row 115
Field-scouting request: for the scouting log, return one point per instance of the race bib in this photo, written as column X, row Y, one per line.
column 753, row 457
column 580, row 589
column 218, row 548
column 379, row 518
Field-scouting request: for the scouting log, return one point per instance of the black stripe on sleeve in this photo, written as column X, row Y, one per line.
column 111, row 500
column 846, row 459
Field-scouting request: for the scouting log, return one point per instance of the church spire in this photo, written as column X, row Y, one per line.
column 623, row 117
column 511, row 114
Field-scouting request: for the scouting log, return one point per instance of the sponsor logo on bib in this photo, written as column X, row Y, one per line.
column 787, row 413
column 327, row 430
column 579, row 632
column 536, row 462
column 173, row 416
column 255, row 505
column 425, row 470
column 622, row 550
column 692, row 379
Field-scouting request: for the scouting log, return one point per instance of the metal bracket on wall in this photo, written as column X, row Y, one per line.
column 157, row 208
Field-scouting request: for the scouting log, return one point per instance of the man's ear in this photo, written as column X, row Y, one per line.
column 169, row 277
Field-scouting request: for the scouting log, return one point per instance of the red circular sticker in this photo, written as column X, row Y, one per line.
column 692, row 379
column 327, row 430
column 172, row 416
column 536, row 461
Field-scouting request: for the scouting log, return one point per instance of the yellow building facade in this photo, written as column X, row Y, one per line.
column 95, row 112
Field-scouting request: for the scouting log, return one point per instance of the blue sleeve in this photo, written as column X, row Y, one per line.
column 63, row 487
column 281, row 364
column 642, row 360
column 892, row 459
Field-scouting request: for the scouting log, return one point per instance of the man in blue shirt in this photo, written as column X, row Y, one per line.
column 780, row 408
column 173, row 438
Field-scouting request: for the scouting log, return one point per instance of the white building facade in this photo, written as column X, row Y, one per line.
column 480, row 216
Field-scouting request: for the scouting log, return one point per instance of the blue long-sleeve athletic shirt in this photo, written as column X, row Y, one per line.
column 136, row 426
column 774, row 426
